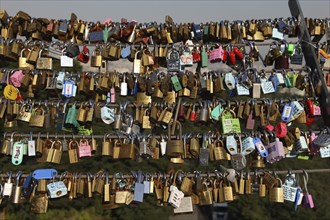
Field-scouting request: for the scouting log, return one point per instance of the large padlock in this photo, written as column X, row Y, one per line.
column 276, row 194
column 174, row 146
column 44, row 63
column 173, row 61
column 22, row 64
column 127, row 150
column 37, row 118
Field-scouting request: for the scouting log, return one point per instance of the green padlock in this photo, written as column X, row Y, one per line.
column 71, row 118
column 287, row 82
column 290, row 49
column 293, row 78
column 176, row 83
column 205, row 59
column 206, row 33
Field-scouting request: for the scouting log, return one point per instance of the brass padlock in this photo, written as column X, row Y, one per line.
column 127, row 150
column 73, row 151
column 33, row 55
column 174, row 146
column 276, row 194
column 205, row 197
column 228, row 193
column 57, row 153
column 96, row 58
column 107, row 146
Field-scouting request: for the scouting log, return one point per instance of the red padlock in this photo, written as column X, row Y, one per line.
column 225, row 55
column 192, row 116
column 232, row 57
column 238, row 53
column 84, row 55
column 309, row 112
column 196, row 55
column 281, row 130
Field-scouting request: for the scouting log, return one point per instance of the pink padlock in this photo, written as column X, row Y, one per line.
column 16, row 78
column 84, row 149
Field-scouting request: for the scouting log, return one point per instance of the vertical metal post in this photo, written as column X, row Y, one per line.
column 311, row 60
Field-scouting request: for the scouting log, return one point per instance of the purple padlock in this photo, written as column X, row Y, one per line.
column 275, row 151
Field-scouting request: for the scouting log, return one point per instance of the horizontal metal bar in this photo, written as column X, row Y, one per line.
column 185, row 103
column 211, row 174
column 114, row 136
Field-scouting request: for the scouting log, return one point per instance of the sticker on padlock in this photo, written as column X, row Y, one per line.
column 57, row 189
column 247, row 146
column 289, row 193
column 66, row 61
column 242, row 90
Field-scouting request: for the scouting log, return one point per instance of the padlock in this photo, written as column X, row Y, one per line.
column 96, row 58
column 276, row 193
column 176, row 195
column 174, row 146
column 22, row 61
column 73, row 151
column 44, row 63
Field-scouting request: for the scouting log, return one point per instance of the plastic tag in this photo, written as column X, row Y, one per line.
column 267, row 87
column 126, row 52
column 17, row 153
column 241, row 90
column 287, row 113
column 44, row 174
column 216, row 112
column 68, row 88
column 260, row 147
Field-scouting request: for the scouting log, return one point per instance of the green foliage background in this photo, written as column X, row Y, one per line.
column 247, row 207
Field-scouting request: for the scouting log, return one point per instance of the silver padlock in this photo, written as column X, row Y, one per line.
column 57, row 189
column 8, row 187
